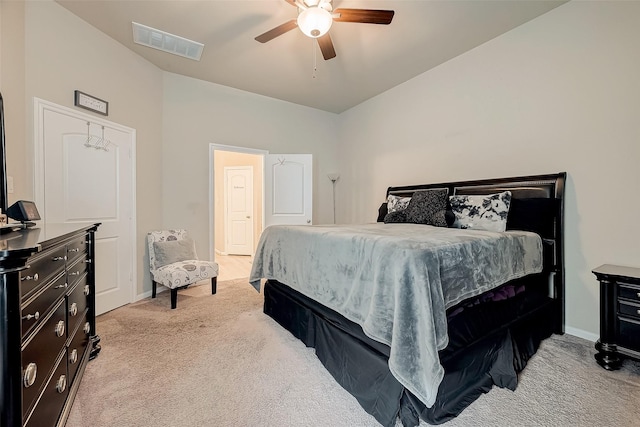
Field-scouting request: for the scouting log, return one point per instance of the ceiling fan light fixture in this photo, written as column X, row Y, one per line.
column 315, row 22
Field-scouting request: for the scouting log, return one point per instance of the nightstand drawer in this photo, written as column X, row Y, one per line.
column 629, row 309
column 629, row 334
column 629, row 292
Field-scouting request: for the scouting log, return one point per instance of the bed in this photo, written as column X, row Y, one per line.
column 416, row 321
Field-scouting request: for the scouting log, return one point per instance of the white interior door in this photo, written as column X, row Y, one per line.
column 238, row 200
column 288, row 188
column 88, row 177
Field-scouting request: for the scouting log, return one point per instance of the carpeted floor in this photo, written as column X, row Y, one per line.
column 217, row 360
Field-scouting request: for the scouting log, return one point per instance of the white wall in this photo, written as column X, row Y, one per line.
column 197, row 113
column 62, row 53
column 560, row 93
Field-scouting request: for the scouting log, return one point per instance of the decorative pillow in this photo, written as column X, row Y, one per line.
column 395, row 203
column 481, row 212
column 449, row 216
column 535, row 214
column 396, row 217
column 428, row 207
column 382, row 212
column 174, row 251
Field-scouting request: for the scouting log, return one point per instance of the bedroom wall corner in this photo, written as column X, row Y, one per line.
column 64, row 53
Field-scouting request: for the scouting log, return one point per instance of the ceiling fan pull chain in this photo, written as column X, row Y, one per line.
column 315, row 62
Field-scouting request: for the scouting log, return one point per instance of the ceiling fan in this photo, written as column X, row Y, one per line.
column 315, row 18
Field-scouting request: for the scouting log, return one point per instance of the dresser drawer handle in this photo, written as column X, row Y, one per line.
column 638, row 311
column 74, row 309
column 87, row 290
column 61, row 286
column 73, row 357
column 60, row 328
column 61, row 385
column 59, row 258
column 36, row 316
column 638, row 294
column 30, row 374
column 34, row 277
column 74, row 273
column 74, row 250
column 87, row 328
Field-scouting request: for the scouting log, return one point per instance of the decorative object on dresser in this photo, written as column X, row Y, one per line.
column 173, row 262
column 47, row 315
column 619, row 315
column 25, row 212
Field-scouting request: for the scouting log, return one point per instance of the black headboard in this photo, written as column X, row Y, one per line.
column 525, row 188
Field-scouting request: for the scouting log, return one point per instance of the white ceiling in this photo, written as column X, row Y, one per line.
column 370, row 58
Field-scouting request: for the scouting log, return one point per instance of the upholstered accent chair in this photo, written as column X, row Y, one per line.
column 173, row 262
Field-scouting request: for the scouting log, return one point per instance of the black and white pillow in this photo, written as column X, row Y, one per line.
column 488, row 212
column 396, row 203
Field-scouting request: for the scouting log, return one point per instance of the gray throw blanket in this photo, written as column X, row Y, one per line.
column 396, row 281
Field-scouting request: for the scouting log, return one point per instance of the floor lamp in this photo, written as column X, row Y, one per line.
column 333, row 177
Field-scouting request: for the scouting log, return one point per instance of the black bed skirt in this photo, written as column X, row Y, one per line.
column 488, row 344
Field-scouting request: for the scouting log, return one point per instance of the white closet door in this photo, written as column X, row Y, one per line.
column 288, row 189
column 90, row 183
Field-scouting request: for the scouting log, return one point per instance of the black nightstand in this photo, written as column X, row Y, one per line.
column 619, row 315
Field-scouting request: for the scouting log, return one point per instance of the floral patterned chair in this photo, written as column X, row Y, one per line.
column 173, row 263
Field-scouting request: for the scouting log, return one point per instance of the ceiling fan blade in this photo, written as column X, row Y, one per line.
column 277, row 31
column 365, row 16
column 326, row 47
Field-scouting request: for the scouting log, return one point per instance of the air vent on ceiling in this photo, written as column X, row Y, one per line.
column 166, row 42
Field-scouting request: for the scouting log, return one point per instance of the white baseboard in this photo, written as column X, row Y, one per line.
column 589, row 336
column 147, row 294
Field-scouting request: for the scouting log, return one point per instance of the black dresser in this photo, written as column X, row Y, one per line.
column 47, row 319
column 619, row 315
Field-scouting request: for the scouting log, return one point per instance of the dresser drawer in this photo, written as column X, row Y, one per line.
column 40, row 269
column 77, row 302
column 36, row 309
column 40, row 354
column 50, row 405
column 77, row 347
column 629, row 309
column 77, row 270
column 77, row 248
column 629, row 292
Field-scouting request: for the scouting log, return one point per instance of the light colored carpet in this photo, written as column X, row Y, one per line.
column 217, row 360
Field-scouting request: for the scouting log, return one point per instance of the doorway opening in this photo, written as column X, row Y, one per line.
column 236, row 214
